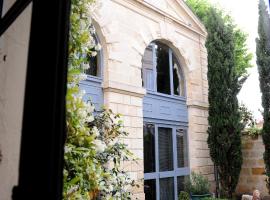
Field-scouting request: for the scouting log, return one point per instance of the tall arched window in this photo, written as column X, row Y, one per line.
column 161, row 70
column 165, row 130
column 93, row 83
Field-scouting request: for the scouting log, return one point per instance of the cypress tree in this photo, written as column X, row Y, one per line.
column 224, row 139
column 263, row 63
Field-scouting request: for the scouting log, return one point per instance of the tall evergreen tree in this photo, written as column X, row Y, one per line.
column 224, row 130
column 228, row 60
column 263, row 63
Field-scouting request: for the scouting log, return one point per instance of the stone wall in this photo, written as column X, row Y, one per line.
column 252, row 173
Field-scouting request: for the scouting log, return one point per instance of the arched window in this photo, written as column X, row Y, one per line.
column 165, row 130
column 93, row 83
column 161, row 70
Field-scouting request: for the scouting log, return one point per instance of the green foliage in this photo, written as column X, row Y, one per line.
column 263, row 63
column 210, row 198
column 249, row 124
column 224, row 130
column 197, row 184
column 93, row 152
column 242, row 56
column 183, row 196
column 228, row 60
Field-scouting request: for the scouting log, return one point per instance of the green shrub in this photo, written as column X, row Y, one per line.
column 183, row 196
column 197, row 184
column 210, row 198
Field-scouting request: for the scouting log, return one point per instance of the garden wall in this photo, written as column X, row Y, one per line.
column 252, row 173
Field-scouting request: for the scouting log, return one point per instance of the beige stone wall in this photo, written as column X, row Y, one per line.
column 251, row 176
column 13, row 59
column 126, row 28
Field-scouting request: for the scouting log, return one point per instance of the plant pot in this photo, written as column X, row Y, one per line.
column 199, row 196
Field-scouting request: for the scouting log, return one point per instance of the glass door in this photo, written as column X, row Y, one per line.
column 165, row 161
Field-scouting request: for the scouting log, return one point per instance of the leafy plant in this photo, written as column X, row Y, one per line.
column 249, row 124
column 197, row 184
column 183, row 196
column 93, row 153
column 210, row 198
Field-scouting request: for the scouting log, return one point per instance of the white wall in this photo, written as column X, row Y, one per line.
column 13, row 60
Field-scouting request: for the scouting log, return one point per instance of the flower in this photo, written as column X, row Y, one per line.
column 89, row 118
column 67, row 149
column 89, row 107
column 93, row 53
column 82, row 76
column 85, row 66
column 100, row 146
column 95, row 131
column 98, row 47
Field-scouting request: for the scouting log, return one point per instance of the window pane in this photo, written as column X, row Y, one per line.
column 148, row 72
column 150, row 189
column 94, row 62
column 165, row 149
column 180, row 183
column 166, row 189
column 149, row 148
column 93, row 70
column 182, row 150
column 163, row 68
column 178, row 80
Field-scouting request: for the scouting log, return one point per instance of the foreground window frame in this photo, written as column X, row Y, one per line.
column 44, row 120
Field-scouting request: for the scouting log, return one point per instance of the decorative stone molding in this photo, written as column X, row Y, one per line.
column 116, row 87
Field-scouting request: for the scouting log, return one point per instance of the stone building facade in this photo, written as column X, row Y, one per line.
column 152, row 69
column 166, row 127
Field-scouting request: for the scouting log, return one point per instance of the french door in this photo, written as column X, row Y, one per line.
column 166, row 163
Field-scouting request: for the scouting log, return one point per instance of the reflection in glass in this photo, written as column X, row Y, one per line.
column 149, row 148
column 166, row 189
column 163, row 68
column 94, row 62
column 180, row 183
column 178, row 80
column 165, row 147
column 150, row 189
column 147, row 66
column 182, row 150
column 93, row 70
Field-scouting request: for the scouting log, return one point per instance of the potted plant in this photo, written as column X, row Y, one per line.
column 183, row 196
column 198, row 186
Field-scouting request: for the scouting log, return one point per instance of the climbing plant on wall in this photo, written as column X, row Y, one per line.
column 228, row 60
column 93, row 151
column 263, row 63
